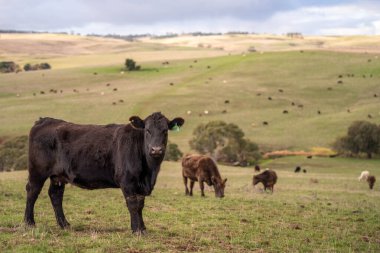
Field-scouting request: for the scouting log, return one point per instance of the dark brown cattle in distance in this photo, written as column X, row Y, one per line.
column 203, row 169
column 126, row 156
column 371, row 181
column 268, row 178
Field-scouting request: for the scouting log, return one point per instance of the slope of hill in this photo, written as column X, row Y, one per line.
column 322, row 91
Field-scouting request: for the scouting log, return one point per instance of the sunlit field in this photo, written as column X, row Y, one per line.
column 323, row 88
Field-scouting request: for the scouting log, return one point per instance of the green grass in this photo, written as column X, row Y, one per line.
column 304, row 78
column 337, row 214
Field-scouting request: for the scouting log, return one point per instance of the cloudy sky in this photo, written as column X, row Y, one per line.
column 311, row 17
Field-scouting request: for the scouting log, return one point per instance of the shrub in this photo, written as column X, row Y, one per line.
column 172, row 152
column 8, row 67
column 225, row 143
column 362, row 137
column 13, row 154
column 130, row 65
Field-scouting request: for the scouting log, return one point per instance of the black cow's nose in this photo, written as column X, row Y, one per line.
column 156, row 151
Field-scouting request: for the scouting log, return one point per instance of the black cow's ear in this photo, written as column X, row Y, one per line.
column 177, row 122
column 136, row 122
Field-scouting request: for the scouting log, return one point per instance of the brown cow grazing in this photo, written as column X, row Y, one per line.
column 203, row 169
column 268, row 178
column 126, row 156
column 257, row 168
column 371, row 181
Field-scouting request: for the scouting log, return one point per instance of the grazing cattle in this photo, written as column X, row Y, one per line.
column 257, row 168
column 309, row 156
column 269, row 98
column 226, row 101
column 364, row 175
column 265, row 123
column 298, row 169
column 268, row 178
column 339, row 82
column 369, row 116
column 126, row 156
column 371, row 181
column 203, row 169
column 304, row 171
column 285, row 112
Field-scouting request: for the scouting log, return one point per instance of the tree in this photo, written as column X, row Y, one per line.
column 172, row 152
column 362, row 137
column 130, row 65
column 224, row 142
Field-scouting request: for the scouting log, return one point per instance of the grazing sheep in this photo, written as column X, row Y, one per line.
column 298, row 169
column 268, row 178
column 371, row 181
column 364, row 175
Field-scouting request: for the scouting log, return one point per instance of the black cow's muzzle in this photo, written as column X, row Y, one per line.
column 156, row 152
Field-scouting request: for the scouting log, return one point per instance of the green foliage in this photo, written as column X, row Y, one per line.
column 130, row 65
column 362, row 137
column 8, row 67
column 225, row 142
column 44, row 65
column 173, row 153
column 13, row 154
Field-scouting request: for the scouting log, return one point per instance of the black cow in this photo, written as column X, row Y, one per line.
column 95, row 157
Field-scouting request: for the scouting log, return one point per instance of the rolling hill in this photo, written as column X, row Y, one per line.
column 322, row 91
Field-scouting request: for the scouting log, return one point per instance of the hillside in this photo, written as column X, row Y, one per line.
column 309, row 79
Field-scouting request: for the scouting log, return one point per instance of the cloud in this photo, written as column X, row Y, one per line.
column 162, row 16
column 328, row 20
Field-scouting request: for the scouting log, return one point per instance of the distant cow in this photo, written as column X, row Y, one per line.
column 126, row 156
column 268, row 178
column 257, row 168
column 298, row 169
column 364, row 175
column 203, row 169
column 371, row 181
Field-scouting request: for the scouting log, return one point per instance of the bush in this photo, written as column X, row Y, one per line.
column 362, row 137
column 225, row 143
column 172, row 152
column 44, row 65
column 9, row 67
column 130, row 65
column 13, row 154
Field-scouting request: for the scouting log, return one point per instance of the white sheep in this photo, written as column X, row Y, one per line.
column 364, row 175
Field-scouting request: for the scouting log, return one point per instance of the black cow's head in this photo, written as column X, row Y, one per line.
column 156, row 128
column 219, row 186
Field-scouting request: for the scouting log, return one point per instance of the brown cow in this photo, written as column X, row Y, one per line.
column 371, row 181
column 268, row 178
column 203, row 169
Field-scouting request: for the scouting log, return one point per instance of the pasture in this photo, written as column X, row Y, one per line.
column 324, row 210
column 336, row 213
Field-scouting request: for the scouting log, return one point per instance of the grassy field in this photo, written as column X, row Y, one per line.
column 324, row 210
column 309, row 79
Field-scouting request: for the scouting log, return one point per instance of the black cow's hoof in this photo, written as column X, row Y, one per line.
column 140, row 232
column 30, row 224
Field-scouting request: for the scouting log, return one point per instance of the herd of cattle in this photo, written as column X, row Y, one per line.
column 125, row 156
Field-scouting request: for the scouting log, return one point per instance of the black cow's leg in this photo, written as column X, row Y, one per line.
column 186, row 189
column 56, row 191
column 191, row 187
column 133, row 208
column 202, row 186
column 141, row 203
column 33, row 189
